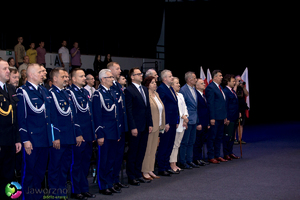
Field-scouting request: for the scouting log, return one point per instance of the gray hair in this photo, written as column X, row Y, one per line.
column 188, row 75
column 102, row 73
column 149, row 72
column 163, row 74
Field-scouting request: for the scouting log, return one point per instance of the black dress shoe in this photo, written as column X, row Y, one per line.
column 199, row 162
column 164, row 173
column 116, row 187
column 120, row 185
column 105, row 192
column 78, row 196
column 114, row 190
column 142, row 180
column 202, row 161
column 185, row 166
column 171, row 171
column 133, row 182
column 193, row 165
column 88, row 195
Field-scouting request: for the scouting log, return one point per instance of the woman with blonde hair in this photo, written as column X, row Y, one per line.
column 183, row 113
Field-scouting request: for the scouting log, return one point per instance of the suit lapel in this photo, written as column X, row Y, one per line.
column 190, row 94
column 138, row 93
column 169, row 92
column 4, row 93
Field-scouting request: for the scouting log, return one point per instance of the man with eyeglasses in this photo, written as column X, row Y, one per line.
column 140, row 124
column 108, row 130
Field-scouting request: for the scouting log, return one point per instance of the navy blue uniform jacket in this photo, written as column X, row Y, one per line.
column 37, row 126
column 83, row 107
column 106, row 116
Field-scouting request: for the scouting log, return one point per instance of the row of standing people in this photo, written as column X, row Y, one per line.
column 72, row 117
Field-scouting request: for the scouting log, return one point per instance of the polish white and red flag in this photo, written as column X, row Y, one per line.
column 244, row 78
column 209, row 79
column 202, row 76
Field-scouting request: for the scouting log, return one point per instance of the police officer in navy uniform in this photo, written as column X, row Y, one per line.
column 117, row 89
column 38, row 128
column 10, row 142
column 83, row 153
column 108, row 131
column 70, row 134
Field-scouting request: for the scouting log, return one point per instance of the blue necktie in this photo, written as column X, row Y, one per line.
column 143, row 95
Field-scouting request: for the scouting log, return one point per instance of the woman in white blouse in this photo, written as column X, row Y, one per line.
column 182, row 124
column 158, row 118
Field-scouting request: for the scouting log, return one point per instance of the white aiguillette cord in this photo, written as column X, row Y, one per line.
column 77, row 104
column 31, row 106
column 63, row 113
column 103, row 104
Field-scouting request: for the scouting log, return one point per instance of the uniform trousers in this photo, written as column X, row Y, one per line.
column 33, row 172
column 106, row 159
column 58, row 169
column 7, row 172
column 80, row 166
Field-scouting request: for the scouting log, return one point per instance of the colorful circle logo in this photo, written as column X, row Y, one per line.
column 13, row 190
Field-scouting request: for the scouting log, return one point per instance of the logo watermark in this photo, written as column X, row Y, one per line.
column 13, row 190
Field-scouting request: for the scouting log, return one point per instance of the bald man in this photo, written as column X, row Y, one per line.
column 90, row 81
column 37, row 128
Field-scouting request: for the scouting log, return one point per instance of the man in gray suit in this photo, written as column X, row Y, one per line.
column 190, row 96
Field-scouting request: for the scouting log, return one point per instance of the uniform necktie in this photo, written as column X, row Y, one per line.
column 4, row 88
column 143, row 95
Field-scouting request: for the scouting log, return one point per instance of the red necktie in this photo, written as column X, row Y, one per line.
column 220, row 89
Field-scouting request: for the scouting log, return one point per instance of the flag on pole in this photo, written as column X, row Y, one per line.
column 202, row 76
column 209, row 79
column 244, row 78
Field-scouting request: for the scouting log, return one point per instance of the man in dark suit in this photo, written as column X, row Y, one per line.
column 108, row 131
column 216, row 102
column 81, row 154
column 70, row 133
column 203, row 124
column 169, row 99
column 117, row 89
column 38, row 128
column 140, row 124
column 10, row 142
column 232, row 105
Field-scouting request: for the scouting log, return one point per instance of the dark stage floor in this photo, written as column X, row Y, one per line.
column 269, row 169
